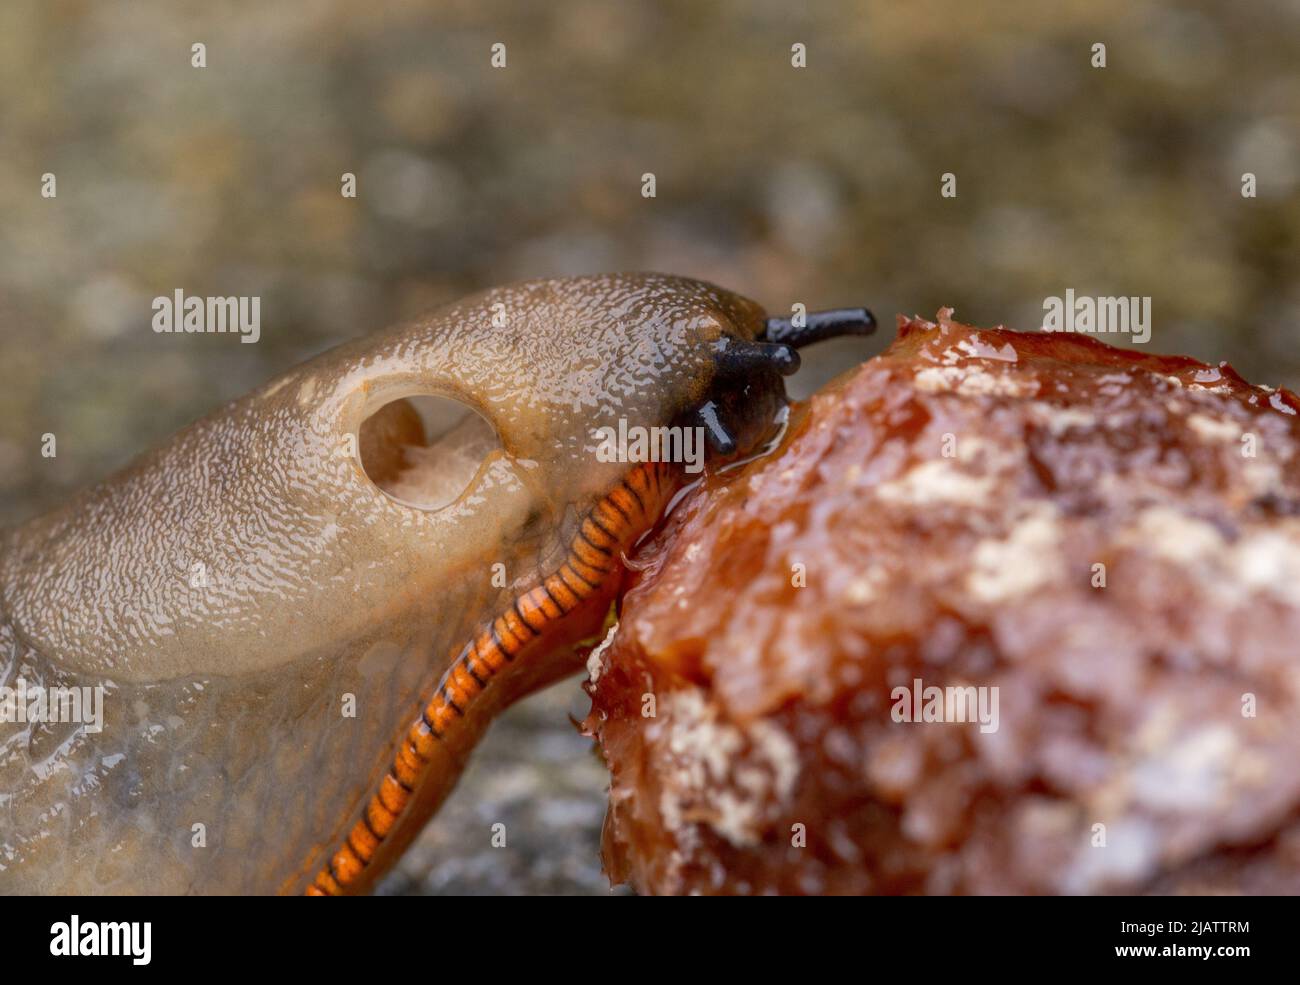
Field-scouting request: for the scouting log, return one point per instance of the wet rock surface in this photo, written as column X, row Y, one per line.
column 1102, row 546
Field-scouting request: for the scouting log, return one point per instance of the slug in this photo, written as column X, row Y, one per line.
column 295, row 659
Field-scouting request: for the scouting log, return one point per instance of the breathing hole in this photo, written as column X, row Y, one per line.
column 424, row 451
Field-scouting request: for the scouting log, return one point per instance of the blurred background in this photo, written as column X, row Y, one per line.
column 819, row 185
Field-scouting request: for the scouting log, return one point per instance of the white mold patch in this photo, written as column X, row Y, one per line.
column 1028, row 559
column 723, row 776
column 971, row 381
column 1059, row 420
column 596, row 659
column 1268, row 561
column 1212, row 429
column 1192, row 774
column 1130, row 856
column 1174, row 536
column 939, row 480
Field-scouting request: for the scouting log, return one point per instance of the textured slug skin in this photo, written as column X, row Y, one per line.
column 226, row 763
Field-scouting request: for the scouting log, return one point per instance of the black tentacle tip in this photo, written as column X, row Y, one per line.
column 819, row 325
column 738, row 358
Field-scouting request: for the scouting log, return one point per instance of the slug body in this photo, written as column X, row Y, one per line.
column 295, row 664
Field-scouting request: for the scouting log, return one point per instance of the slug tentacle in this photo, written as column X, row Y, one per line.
column 450, row 721
column 820, row 325
column 741, row 358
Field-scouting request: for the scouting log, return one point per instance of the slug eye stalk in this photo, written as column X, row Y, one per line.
column 819, row 325
column 739, row 358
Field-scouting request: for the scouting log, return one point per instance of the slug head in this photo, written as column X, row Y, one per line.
column 561, row 367
column 747, row 390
